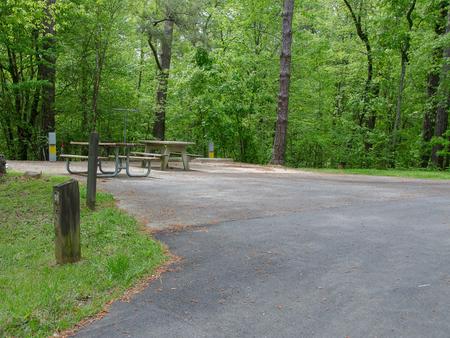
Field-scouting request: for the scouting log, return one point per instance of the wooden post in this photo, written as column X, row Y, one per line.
column 66, row 201
column 2, row 165
column 92, row 171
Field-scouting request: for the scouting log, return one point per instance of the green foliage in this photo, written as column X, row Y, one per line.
column 224, row 75
column 40, row 297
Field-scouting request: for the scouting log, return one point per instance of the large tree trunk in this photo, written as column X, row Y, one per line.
column 47, row 71
column 279, row 145
column 444, row 103
column 159, row 126
column 429, row 119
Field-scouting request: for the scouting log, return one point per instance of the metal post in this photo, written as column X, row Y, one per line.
column 92, row 171
column 211, row 150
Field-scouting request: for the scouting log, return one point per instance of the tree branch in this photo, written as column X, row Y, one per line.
column 357, row 21
column 156, row 22
column 155, row 53
column 409, row 15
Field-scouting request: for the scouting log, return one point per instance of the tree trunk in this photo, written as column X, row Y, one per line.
column 279, row 145
column 401, row 87
column 429, row 119
column 404, row 50
column 141, row 68
column 47, row 71
column 444, row 103
column 159, row 126
column 96, row 85
column 84, row 92
column 370, row 91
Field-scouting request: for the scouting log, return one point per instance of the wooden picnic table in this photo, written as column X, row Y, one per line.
column 168, row 148
column 118, row 159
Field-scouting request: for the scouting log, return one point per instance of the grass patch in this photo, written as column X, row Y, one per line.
column 39, row 297
column 425, row 174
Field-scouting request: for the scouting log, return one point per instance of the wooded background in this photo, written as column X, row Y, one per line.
column 369, row 78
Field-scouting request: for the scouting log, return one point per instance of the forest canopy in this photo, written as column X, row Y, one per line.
column 369, row 84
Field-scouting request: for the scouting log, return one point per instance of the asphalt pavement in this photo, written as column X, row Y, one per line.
column 281, row 253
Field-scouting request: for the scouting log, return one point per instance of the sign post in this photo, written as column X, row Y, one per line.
column 52, row 147
column 211, row 150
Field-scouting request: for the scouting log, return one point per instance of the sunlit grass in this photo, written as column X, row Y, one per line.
column 39, row 297
column 424, row 174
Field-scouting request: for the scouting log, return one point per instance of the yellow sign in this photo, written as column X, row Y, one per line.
column 52, row 149
column 211, row 154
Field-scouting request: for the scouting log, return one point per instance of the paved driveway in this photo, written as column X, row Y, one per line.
column 280, row 253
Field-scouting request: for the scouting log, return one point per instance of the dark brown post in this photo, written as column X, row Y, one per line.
column 66, row 201
column 2, row 165
column 92, row 171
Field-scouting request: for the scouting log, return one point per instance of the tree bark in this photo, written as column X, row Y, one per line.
column 404, row 51
column 368, row 115
column 141, row 68
column 444, row 103
column 279, row 145
column 47, row 71
column 429, row 119
column 99, row 59
column 163, row 62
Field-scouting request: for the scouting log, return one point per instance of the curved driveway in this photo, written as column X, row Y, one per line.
column 280, row 253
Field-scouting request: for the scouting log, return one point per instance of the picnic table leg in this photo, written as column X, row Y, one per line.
column 73, row 172
column 165, row 159
column 117, row 164
column 146, row 150
column 185, row 158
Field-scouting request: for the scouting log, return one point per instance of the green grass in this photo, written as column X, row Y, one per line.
column 39, row 297
column 425, row 174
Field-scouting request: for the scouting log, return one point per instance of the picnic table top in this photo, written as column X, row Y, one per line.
column 165, row 143
column 107, row 144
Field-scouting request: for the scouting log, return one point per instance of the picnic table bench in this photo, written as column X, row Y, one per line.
column 118, row 159
column 166, row 151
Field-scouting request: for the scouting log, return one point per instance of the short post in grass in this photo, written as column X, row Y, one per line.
column 2, row 165
column 92, row 171
column 66, row 201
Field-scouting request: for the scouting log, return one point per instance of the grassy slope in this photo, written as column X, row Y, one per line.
column 426, row 174
column 39, row 297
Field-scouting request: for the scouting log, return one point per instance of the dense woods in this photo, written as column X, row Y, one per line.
column 369, row 82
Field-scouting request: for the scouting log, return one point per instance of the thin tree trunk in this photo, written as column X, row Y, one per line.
column 48, row 71
column 370, row 90
column 398, row 115
column 6, row 116
column 141, row 68
column 279, row 145
column 404, row 63
column 84, row 92
column 159, row 126
column 444, row 103
column 96, row 85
